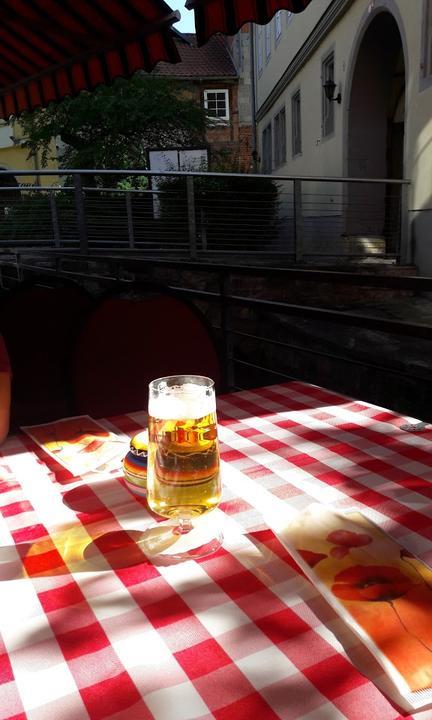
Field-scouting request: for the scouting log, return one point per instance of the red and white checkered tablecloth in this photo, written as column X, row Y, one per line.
column 241, row 634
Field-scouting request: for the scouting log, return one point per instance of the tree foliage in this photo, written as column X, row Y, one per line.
column 114, row 126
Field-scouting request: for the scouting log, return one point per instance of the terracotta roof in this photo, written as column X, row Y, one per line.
column 211, row 60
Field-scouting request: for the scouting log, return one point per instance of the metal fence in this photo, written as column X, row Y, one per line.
column 277, row 324
column 198, row 215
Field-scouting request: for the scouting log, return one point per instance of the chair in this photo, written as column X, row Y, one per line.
column 40, row 324
column 132, row 338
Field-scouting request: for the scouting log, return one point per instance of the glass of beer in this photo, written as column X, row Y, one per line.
column 183, row 476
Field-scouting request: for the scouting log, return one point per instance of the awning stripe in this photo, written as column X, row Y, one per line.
column 100, row 41
column 228, row 16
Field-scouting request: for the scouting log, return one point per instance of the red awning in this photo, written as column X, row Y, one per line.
column 227, row 16
column 53, row 48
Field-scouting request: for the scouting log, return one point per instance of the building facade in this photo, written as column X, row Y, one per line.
column 378, row 55
column 13, row 156
column 217, row 75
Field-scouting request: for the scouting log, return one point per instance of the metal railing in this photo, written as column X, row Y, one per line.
column 277, row 324
column 204, row 215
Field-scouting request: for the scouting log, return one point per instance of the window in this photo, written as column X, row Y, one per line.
column 296, row 141
column 280, row 138
column 278, row 25
column 327, row 105
column 267, row 149
column 216, row 103
column 260, row 51
column 428, row 40
column 267, row 30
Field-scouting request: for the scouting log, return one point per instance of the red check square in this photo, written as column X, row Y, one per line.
column 80, row 641
column 135, row 574
column 223, row 686
column 60, row 597
column 110, row 696
column 202, row 658
column 29, row 534
column 6, row 674
column 334, row 676
column 44, row 563
column 240, row 584
column 16, row 508
column 165, row 612
column 252, row 706
column 282, row 625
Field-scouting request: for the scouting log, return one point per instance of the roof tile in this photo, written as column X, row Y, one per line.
column 211, row 60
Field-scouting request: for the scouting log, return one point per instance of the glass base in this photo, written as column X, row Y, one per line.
column 173, row 540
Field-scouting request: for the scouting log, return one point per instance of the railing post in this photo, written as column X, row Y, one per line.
column 81, row 222
column 227, row 338
column 130, row 220
column 190, row 195
column 405, row 244
column 54, row 219
column 298, row 221
column 203, row 231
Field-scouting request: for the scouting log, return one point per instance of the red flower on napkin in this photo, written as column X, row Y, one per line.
column 345, row 539
column 374, row 583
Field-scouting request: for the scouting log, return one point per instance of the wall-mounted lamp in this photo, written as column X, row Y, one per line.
column 329, row 89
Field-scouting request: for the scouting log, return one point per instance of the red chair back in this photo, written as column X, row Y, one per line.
column 40, row 326
column 126, row 343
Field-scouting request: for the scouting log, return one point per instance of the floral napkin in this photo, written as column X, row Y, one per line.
column 79, row 443
column 379, row 588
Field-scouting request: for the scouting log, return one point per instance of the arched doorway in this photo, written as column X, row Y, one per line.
column 376, row 122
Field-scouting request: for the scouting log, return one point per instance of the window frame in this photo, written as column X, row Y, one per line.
column 427, row 42
column 267, row 41
column 267, row 149
column 219, row 119
column 260, row 58
column 327, row 106
column 279, row 137
column 296, row 124
column 278, row 25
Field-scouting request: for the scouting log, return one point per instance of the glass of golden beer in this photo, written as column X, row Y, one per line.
column 183, row 474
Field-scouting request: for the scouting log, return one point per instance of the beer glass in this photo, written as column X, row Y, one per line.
column 183, row 477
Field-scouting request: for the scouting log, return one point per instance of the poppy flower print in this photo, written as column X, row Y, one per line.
column 378, row 587
column 373, row 583
column 345, row 540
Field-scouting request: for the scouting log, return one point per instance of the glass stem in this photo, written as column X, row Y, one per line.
column 184, row 526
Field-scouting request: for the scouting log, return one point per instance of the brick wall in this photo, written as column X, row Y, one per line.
column 229, row 143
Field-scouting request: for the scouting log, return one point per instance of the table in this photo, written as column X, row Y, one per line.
column 91, row 629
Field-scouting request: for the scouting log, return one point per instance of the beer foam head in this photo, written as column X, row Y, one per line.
column 181, row 402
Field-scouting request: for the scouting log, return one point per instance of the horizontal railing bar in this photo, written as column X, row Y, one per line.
column 196, row 173
column 367, row 322
column 321, row 353
column 403, row 282
column 263, row 369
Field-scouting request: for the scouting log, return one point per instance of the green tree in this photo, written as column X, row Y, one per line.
column 114, row 126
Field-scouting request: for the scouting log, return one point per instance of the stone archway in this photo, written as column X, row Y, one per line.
column 376, row 124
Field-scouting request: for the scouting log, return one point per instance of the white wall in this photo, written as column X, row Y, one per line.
column 5, row 136
column 328, row 156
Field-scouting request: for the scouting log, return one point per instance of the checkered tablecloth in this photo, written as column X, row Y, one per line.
column 91, row 629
